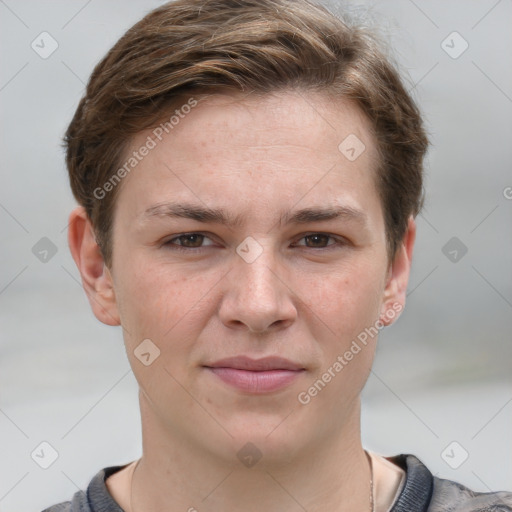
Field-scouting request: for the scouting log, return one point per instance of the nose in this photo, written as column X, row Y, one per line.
column 257, row 297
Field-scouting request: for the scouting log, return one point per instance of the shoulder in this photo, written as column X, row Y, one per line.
column 96, row 498
column 77, row 504
column 451, row 496
column 442, row 495
column 65, row 506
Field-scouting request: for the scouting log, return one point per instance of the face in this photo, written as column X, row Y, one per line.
column 247, row 233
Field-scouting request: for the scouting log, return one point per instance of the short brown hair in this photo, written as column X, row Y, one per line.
column 260, row 46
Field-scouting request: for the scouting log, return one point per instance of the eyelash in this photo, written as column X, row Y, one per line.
column 337, row 242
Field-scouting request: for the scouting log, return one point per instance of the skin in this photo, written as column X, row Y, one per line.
column 304, row 298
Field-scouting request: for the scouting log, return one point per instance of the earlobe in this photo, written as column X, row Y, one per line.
column 96, row 277
column 398, row 277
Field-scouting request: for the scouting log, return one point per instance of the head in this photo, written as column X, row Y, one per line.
column 284, row 141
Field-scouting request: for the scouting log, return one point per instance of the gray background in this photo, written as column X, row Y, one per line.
column 443, row 372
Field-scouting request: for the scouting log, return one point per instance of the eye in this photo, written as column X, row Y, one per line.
column 197, row 241
column 319, row 241
column 188, row 241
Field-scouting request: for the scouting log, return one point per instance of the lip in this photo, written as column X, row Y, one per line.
column 256, row 375
column 256, row 365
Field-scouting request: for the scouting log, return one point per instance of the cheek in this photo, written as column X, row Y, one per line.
column 348, row 305
column 346, row 301
column 159, row 303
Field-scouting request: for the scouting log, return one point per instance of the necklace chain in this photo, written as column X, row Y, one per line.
column 372, row 500
column 131, row 485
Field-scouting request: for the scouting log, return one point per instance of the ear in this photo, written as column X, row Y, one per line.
column 398, row 277
column 96, row 277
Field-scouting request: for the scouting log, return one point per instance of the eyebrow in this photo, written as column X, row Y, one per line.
column 220, row 216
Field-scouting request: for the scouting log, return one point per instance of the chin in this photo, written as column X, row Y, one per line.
column 272, row 439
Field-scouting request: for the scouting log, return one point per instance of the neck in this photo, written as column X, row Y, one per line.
column 331, row 473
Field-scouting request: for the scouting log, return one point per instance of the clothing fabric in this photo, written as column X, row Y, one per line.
column 421, row 492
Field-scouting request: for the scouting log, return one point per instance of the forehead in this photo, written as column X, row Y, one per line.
column 297, row 118
column 254, row 151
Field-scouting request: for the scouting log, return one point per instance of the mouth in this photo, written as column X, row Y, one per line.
column 256, row 375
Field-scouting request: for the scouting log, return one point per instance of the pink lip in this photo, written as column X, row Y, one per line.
column 256, row 375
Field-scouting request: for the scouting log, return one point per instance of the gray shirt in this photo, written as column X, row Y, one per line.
column 421, row 492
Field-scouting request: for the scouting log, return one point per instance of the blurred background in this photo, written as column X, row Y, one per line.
column 441, row 387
